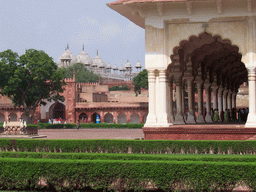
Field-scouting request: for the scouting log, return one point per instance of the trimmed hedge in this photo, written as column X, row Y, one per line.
column 71, row 175
column 130, row 146
column 136, row 157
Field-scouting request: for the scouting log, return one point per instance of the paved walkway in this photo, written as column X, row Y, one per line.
column 92, row 133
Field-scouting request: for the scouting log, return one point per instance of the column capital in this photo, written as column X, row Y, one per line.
column 214, row 87
column 207, row 85
column 251, row 74
column 189, row 79
column 162, row 76
column 178, row 79
column 225, row 92
column 151, row 73
column 220, row 91
column 199, row 82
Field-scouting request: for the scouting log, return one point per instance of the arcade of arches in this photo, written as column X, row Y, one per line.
column 115, row 116
column 208, row 63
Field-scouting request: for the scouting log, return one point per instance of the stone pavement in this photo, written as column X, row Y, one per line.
column 92, row 133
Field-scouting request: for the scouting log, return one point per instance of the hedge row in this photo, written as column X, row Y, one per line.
column 130, row 146
column 71, row 175
column 137, row 157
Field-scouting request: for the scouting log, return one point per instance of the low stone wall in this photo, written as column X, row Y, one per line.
column 192, row 133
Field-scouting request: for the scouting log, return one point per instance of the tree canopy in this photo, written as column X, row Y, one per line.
column 30, row 79
column 119, row 88
column 140, row 81
column 83, row 75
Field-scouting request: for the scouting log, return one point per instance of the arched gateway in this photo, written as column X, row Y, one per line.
column 210, row 45
column 207, row 63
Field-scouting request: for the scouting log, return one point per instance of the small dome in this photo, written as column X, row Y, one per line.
column 59, row 63
column 121, row 69
column 84, row 58
column 109, row 66
column 115, row 67
column 65, row 55
column 102, row 64
column 97, row 61
column 73, row 59
column 128, row 64
column 138, row 65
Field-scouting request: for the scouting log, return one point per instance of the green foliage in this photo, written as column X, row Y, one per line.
column 83, row 75
column 123, row 156
column 29, row 79
column 140, row 81
column 124, row 175
column 131, row 146
column 119, row 88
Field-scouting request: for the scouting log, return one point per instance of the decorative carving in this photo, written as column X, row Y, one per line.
column 160, row 9
column 249, row 5
column 189, row 7
column 219, row 6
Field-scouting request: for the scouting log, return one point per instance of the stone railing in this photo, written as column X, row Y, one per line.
column 18, row 128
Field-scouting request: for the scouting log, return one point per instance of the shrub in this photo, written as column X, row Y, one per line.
column 131, row 146
column 136, row 157
column 71, row 175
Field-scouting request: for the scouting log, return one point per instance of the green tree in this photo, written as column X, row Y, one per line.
column 119, row 88
column 140, row 82
column 83, row 75
column 30, row 79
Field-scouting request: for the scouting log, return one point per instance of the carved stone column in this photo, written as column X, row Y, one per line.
column 225, row 96
column 200, row 103
column 183, row 99
column 215, row 97
column 171, row 114
column 220, row 99
column 251, row 119
column 151, row 118
column 162, row 117
column 208, row 117
column 191, row 101
column 179, row 118
column 229, row 99
column 234, row 99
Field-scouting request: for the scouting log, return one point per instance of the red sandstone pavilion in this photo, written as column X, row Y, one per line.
column 207, row 44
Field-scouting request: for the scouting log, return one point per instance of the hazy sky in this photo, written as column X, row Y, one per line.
column 49, row 25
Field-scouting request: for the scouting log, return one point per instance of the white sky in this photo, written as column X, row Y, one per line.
column 49, row 25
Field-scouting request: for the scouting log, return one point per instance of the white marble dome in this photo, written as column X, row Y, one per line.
column 138, row 65
column 128, row 64
column 65, row 55
column 115, row 67
column 122, row 68
column 84, row 58
column 109, row 66
column 97, row 61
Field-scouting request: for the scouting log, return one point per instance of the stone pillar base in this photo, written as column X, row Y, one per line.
column 208, row 119
column 151, row 120
column 172, row 119
column 179, row 119
column 251, row 120
column 200, row 119
column 191, row 119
